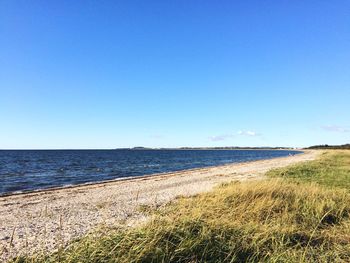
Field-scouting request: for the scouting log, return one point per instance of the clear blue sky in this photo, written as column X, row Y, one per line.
column 107, row 74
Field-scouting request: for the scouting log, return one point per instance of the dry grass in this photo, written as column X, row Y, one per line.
column 275, row 220
column 260, row 221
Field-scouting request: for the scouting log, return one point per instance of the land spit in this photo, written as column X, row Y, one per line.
column 46, row 220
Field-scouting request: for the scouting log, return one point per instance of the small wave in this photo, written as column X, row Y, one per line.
column 63, row 169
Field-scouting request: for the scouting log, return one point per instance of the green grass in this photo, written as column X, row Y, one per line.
column 332, row 169
column 275, row 220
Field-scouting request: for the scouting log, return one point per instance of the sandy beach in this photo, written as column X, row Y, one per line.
column 45, row 220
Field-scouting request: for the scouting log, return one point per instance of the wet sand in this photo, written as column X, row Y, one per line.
column 43, row 221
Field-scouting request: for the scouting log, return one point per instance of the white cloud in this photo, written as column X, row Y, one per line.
column 224, row 137
column 248, row 133
column 335, row 128
column 221, row 137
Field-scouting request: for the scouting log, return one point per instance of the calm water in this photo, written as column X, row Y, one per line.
column 33, row 170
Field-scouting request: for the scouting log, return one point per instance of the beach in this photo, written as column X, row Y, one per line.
column 46, row 220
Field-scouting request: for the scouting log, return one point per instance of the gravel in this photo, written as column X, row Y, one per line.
column 46, row 220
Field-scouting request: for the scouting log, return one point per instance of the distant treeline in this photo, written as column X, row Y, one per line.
column 326, row 146
column 212, row 148
column 233, row 148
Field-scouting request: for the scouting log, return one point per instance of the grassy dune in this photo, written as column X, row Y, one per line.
column 300, row 214
column 331, row 170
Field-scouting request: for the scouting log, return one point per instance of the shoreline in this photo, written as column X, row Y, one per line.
column 43, row 221
column 140, row 177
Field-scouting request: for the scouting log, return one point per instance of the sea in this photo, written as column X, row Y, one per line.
column 32, row 170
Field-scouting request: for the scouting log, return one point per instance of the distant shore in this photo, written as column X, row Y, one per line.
column 42, row 170
column 47, row 219
column 214, row 148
